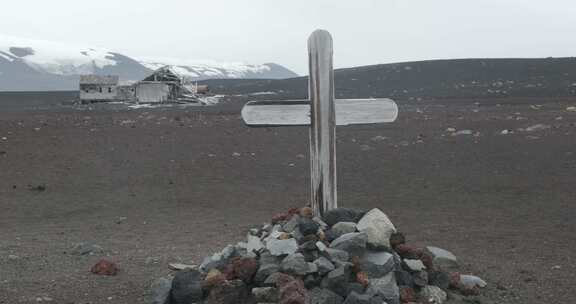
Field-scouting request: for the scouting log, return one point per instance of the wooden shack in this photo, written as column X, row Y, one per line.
column 94, row 88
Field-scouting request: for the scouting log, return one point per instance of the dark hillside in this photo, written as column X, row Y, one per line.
column 462, row 78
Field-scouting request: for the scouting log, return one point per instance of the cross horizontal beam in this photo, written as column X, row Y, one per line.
column 297, row 112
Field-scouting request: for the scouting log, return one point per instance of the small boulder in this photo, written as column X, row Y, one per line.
column 358, row 298
column 243, row 269
column 306, row 212
column 334, row 216
column 471, row 282
column 254, row 244
column 324, row 296
column 264, row 271
column 160, row 291
column 281, row 247
column 432, row 295
column 420, row 278
column 227, row 292
column 307, row 226
column 213, row 278
column 337, row 255
column 377, row 227
column 442, row 259
column 377, row 263
column 187, row 287
column 291, row 224
column 440, row 279
column 337, row 280
column 265, row 294
column 324, row 265
column 342, row 228
column 385, row 287
column 105, row 267
column 353, row 243
column 414, row 265
column 407, row 294
column 291, row 290
column 295, row 264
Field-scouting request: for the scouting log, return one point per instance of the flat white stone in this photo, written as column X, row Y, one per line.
column 254, row 243
column 415, row 265
column 281, row 247
column 377, row 227
column 471, row 281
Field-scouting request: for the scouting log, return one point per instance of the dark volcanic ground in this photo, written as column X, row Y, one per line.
column 154, row 186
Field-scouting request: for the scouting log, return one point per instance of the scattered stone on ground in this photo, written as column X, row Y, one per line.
column 348, row 256
column 105, row 267
column 86, row 248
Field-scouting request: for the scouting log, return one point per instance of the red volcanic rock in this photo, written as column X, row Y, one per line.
column 362, row 278
column 427, row 260
column 307, row 212
column 292, row 290
column 104, row 267
column 409, row 252
column 241, row 268
column 454, row 280
column 279, row 218
column 407, row 295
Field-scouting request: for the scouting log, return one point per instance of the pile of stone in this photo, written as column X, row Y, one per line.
column 348, row 256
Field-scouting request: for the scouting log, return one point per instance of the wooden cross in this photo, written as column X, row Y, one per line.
column 322, row 112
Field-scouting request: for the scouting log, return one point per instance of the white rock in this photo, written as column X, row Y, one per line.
column 377, row 227
column 254, row 243
column 282, row 247
column 341, row 228
column 415, row 265
column 433, row 295
column 471, row 281
column 385, row 287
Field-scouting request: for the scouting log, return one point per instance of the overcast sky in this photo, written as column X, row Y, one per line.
column 259, row 31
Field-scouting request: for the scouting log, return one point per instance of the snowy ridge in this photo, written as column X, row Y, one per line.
column 55, row 58
column 197, row 70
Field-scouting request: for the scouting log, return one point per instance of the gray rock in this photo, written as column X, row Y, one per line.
column 414, row 265
column 272, row 279
column 378, row 228
column 227, row 292
column 357, row 298
column 440, row 279
column 86, row 248
column 324, row 265
column 324, row 296
column 443, row 259
column 433, row 295
column 282, row 247
column 470, row 281
column 334, row 216
column 420, row 278
column 355, row 287
column 353, row 243
column 295, row 264
column 320, row 222
column 308, row 226
column 311, row 281
column 404, row 278
column 291, row 224
column 267, row 258
column 337, row 280
column 385, row 287
column 342, row 228
column 160, row 291
column 187, row 287
column 321, row 246
column 377, row 263
column 337, row 255
column 265, row 294
column 219, row 259
column 264, row 271
column 254, row 244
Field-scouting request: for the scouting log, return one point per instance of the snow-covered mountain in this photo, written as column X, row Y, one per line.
column 45, row 65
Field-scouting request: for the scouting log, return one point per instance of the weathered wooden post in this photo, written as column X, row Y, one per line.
column 322, row 112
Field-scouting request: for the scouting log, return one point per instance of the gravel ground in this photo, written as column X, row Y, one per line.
column 154, row 186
